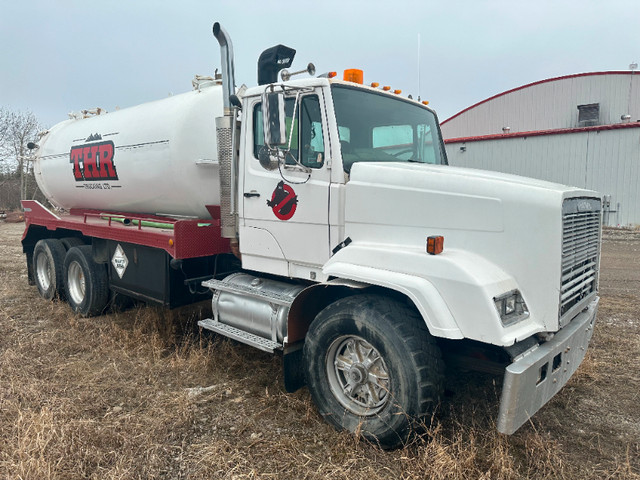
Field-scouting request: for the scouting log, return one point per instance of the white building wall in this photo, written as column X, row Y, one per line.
column 550, row 104
column 607, row 161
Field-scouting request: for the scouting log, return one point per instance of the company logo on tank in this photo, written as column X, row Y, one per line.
column 94, row 161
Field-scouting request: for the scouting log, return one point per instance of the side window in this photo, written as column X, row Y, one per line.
column 312, row 152
column 306, row 126
column 258, row 128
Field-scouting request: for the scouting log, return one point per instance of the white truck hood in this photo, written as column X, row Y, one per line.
column 512, row 222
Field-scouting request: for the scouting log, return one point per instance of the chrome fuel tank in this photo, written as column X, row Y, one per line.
column 248, row 303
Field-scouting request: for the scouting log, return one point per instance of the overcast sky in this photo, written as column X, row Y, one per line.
column 59, row 56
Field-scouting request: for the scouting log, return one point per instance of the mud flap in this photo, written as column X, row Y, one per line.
column 293, row 367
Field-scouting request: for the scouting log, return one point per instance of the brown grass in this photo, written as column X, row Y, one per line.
column 143, row 394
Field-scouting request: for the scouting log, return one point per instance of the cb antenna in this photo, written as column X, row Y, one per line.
column 419, row 82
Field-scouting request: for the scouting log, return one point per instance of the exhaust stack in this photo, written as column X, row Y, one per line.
column 228, row 74
column 226, row 139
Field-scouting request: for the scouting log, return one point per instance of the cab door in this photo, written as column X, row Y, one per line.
column 284, row 219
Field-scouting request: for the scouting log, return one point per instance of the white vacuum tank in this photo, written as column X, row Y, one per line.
column 156, row 158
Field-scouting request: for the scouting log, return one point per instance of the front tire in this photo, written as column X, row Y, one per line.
column 86, row 282
column 373, row 368
column 48, row 262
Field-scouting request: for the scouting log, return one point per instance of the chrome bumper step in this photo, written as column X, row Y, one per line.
column 241, row 336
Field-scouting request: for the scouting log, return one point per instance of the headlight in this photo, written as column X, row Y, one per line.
column 511, row 308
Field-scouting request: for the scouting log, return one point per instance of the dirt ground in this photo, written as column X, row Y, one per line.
column 143, row 394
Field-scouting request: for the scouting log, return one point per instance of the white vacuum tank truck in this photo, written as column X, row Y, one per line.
column 321, row 217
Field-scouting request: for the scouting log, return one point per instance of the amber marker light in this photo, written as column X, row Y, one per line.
column 386, row 88
column 397, row 92
column 425, row 102
column 375, row 84
column 435, row 245
column 171, row 242
column 354, row 75
column 332, row 74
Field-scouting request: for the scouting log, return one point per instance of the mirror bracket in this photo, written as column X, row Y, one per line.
column 273, row 155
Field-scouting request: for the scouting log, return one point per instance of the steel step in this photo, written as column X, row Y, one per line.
column 284, row 300
column 247, row 338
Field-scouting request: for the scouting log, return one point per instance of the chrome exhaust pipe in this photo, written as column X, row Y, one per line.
column 225, row 133
column 228, row 75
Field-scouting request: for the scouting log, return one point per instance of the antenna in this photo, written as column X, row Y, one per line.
column 419, row 68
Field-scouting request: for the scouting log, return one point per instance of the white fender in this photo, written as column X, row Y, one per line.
column 436, row 284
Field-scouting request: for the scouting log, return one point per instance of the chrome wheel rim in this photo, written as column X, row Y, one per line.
column 76, row 283
column 43, row 271
column 358, row 376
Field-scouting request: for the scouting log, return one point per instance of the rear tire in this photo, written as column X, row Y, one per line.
column 86, row 282
column 48, row 263
column 373, row 368
column 70, row 242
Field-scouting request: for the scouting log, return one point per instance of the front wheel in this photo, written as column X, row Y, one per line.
column 86, row 282
column 372, row 367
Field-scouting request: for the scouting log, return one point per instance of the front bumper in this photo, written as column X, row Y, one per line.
column 531, row 381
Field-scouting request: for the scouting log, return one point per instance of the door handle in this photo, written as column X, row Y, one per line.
column 251, row 194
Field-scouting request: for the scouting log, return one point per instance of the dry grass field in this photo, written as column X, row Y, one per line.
column 142, row 394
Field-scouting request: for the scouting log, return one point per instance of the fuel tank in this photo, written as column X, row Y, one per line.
column 156, row 158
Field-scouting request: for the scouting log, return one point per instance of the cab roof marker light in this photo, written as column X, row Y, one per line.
column 354, row 75
column 375, row 84
column 397, row 92
column 425, row 102
column 332, row 74
column 386, row 88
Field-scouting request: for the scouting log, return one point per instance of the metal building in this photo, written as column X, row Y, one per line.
column 581, row 130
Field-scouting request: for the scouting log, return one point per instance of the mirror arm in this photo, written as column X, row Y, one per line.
column 271, row 150
column 293, row 121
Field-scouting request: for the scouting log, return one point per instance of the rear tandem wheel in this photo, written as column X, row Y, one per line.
column 86, row 282
column 48, row 261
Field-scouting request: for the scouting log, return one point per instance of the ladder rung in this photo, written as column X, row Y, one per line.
column 247, row 338
column 222, row 286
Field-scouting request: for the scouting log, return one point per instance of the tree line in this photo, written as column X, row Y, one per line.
column 17, row 179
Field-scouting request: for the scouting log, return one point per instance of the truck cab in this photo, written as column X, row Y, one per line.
column 293, row 216
column 351, row 193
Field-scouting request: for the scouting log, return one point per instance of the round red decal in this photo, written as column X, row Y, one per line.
column 283, row 201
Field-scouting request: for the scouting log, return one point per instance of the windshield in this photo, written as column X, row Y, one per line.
column 378, row 128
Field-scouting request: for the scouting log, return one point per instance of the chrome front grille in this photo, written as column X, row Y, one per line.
column 581, row 226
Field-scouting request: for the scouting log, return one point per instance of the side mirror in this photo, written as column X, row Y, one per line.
column 275, row 128
column 267, row 160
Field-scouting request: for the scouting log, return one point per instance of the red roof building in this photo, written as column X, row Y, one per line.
column 581, row 130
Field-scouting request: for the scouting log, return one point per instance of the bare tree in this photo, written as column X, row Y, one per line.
column 5, row 116
column 5, row 168
column 16, row 130
column 3, row 124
